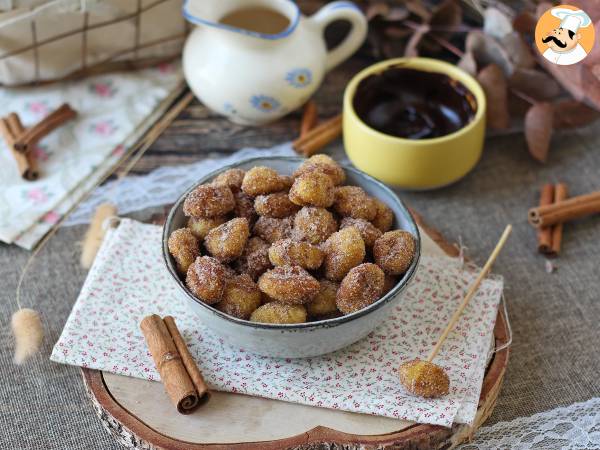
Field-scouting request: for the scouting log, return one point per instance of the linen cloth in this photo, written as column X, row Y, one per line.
column 113, row 110
column 128, row 281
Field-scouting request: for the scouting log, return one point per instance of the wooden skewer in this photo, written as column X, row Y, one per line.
column 471, row 292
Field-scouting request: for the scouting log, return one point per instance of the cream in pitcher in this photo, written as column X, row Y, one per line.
column 256, row 60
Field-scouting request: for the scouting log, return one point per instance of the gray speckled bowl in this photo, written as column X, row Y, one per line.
column 305, row 339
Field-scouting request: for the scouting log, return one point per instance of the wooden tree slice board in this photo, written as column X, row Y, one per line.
column 140, row 416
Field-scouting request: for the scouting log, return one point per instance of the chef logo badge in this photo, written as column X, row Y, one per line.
column 564, row 35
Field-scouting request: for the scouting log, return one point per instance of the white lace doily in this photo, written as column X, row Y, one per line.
column 571, row 427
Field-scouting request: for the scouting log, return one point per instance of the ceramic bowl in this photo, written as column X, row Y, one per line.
column 305, row 339
column 410, row 163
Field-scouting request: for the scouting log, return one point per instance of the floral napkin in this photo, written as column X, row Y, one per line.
column 113, row 110
column 128, row 281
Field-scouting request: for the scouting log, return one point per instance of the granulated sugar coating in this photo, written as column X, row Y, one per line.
column 289, row 284
column 384, row 218
column 288, row 252
column 265, row 231
column 424, row 379
column 343, row 250
column 312, row 189
column 226, row 242
column 263, row 180
column 274, row 312
column 276, row 205
column 324, row 302
column 240, row 297
column 206, row 278
column 272, row 230
column 394, row 251
column 369, row 232
column 232, row 178
column 255, row 258
column 325, row 164
column 353, row 201
column 200, row 226
column 361, row 287
column 313, row 225
column 184, row 247
column 209, row 200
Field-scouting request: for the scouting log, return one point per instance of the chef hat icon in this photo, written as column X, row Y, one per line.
column 571, row 19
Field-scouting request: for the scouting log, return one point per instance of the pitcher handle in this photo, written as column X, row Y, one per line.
column 348, row 11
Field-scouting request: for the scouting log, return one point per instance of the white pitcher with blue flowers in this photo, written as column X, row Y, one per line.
column 256, row 60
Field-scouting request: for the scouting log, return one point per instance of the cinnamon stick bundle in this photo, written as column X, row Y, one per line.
column 565, row 211
column 545, row 233
column 318, row 137
column 11, row 128
column 55, row 119
column 178, row 370
column 309, row 118
column 560, row 194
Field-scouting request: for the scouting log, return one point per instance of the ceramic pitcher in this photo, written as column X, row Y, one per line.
column 257, row 60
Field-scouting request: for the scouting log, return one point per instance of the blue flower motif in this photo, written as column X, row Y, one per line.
column 265, row 103
column 299, row 78
column 229, row 108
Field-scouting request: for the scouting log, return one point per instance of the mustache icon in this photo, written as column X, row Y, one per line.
column 555, row 40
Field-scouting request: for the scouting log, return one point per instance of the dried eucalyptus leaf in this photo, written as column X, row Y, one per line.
column 445, row 16
column 569, row 113
column 487, row 50
column 577, row 79
column 377, row 9
column 468, row 63
column 593, row 57
column 518, row 50
column 495, row 87
column 417, row 8
column 538, row 129
column 412, row 47
column 535, row 83
column 496, row 23
column 525, row 23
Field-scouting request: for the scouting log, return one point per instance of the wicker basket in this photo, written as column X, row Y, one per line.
column 51, row 40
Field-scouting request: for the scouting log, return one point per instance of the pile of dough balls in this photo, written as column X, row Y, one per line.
column 270, row 248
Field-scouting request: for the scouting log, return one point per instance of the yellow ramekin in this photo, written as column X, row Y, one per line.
column 410, row 163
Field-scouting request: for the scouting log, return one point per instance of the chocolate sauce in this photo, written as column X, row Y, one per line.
column 414, row 104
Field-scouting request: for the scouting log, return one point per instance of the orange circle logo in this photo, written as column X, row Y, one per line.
column 564, row 35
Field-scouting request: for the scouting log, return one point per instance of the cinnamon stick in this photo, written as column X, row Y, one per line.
column 565, row 211
column 560, row 194
column 309, row 118
column 56, row 118
column 11, row 128
column 169, row 363
column 318, row 137
column 545, row 233
column 188, row 361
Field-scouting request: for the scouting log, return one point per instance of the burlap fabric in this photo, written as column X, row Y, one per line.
column 555, row 359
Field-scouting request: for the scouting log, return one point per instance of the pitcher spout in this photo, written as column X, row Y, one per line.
column 264, row 19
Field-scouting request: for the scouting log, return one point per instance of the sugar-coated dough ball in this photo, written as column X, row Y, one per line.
column 275, row 312
column 206, row 278
column 361, row 287
column 369, row 232
column 343, row 250
column 384, row 218
column 255, row 258
column 240, row 297
column 313, row 225
column 232, row 178
column 209, row 200
column 353, row 201
column 325, row 164
column 424, row 379
column 244, row 207
column 289, row 284
column 227, row 241
column 262, row 180
column 287, row 252
column 312, row 189
column 200, row 226
column 324, row 303
column 394, row 251
column 271, row 229
column 184, row 247
column 388, row 283
column 276, row 205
